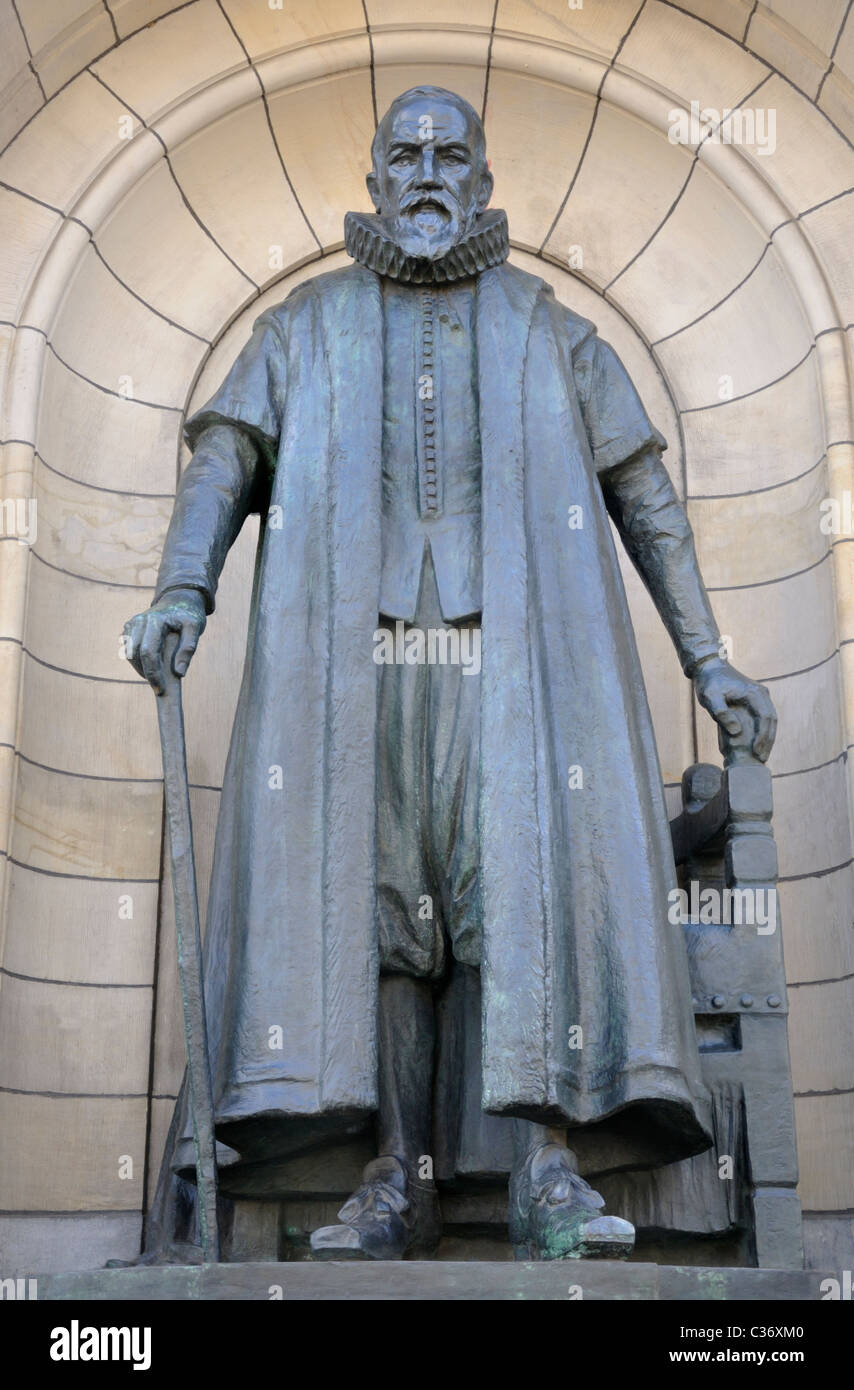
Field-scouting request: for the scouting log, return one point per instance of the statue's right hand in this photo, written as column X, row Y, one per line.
column 179, row 610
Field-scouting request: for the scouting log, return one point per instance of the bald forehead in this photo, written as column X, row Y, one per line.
column 449, row 124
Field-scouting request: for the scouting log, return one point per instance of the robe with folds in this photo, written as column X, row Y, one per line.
column 577, row 946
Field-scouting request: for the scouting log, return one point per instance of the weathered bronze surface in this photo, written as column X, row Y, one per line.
column 441, row 885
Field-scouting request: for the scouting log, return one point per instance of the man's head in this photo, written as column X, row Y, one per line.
column 430, row 178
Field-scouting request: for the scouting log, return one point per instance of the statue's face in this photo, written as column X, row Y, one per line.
column 429, row 183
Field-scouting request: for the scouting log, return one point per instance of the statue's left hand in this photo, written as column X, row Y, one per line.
column 719, row 686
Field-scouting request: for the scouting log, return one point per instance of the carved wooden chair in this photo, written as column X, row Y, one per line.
column 742, row 1192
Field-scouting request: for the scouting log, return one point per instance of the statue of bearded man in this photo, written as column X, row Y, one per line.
column 461, row 946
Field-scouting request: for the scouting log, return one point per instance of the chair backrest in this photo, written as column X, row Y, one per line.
column 724, row 846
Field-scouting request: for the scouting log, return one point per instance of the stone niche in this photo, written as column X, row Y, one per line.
column 169, row 170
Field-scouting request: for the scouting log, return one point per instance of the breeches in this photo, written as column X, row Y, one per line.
column 428, row 888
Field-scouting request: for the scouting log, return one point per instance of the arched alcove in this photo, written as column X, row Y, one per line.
column 189, row 169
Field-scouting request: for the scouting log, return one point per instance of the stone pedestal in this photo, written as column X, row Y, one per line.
column 469, row 1280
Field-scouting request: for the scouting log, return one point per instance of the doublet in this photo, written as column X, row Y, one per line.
column 431, row 448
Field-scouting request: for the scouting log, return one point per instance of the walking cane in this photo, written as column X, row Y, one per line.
column 170, row 716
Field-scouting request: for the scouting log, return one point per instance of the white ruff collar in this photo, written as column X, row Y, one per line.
column 368, row 242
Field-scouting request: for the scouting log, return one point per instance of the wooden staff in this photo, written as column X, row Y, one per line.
column 177, row 793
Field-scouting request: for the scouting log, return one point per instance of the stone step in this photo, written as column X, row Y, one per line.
column 596, row 1280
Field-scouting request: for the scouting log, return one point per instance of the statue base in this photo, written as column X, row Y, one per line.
column 413, row 1280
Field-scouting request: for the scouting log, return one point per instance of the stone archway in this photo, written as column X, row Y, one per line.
column 173, row 177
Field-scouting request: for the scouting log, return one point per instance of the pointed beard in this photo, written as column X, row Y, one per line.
column 430, row 237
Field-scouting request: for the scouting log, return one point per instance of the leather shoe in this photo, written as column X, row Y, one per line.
column 554, row 1213
column 387, row 1216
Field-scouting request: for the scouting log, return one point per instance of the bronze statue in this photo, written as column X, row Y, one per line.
column 442, row 885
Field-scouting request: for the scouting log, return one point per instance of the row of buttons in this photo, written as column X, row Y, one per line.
column 426, row 401
column 746, row 1001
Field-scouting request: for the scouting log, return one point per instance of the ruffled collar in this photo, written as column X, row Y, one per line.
column 369, row 243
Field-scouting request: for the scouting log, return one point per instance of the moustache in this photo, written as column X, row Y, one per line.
column 420, row 196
